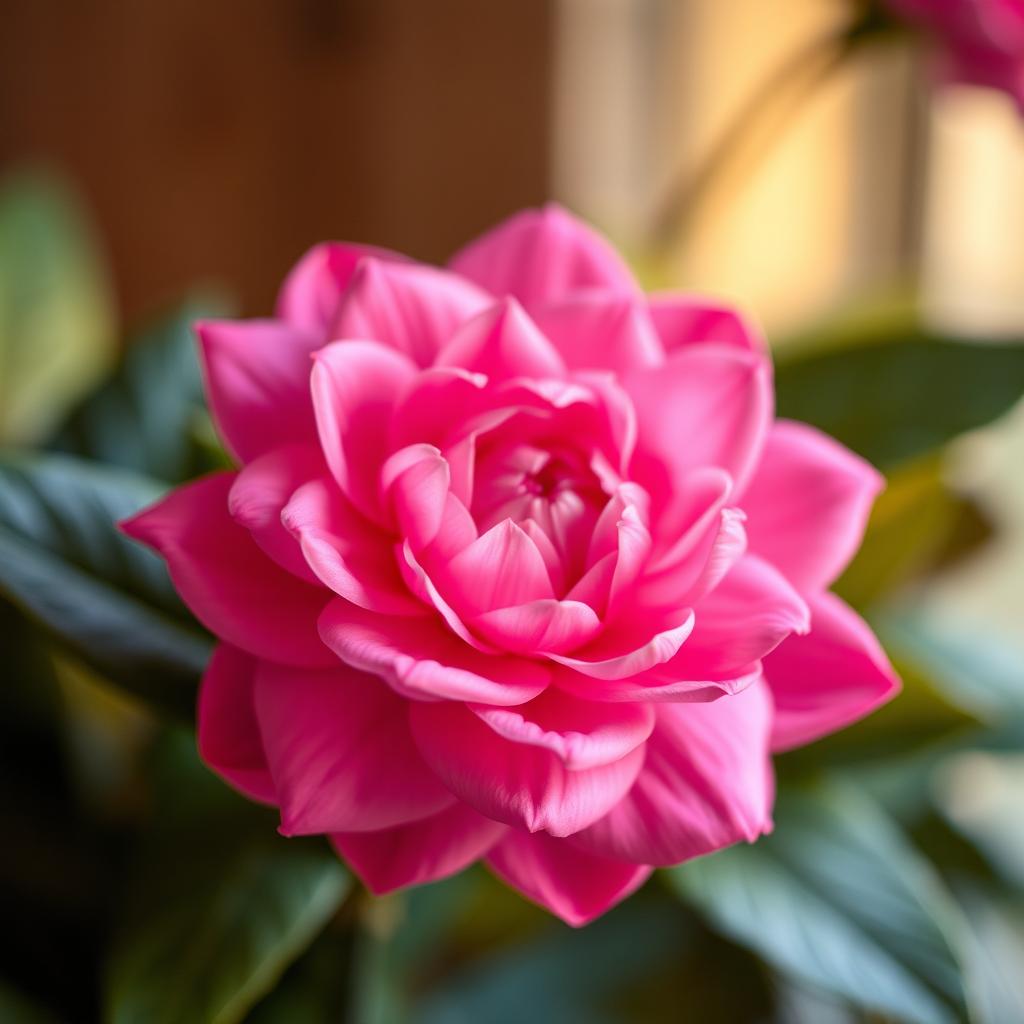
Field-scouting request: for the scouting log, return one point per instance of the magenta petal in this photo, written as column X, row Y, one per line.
column 228, row 733
column 311, row 293
column 259, row 494
column 416, row 481
column 601, row 330
column 540, row 255
column 257, row 381
column 706, row 783
column 581, row 733
column 538, row 626
column 709, row 405
column 347, row 553
column 573, row 884
column 521, row 784
column 421, row 851
column 503, row 343
column 828, row 679
column 424, row 662
column 340, row 752
column 808, row 504
column 411, row 307
column 233, row 588
column 748, row 615
column 683, row 320
column 621, row 655
column 355, row 387
column 501, row 568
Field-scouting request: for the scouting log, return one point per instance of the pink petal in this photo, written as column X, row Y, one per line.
column 347, row 553
column 500, row 568
column 709, row 405
column 657, row 685
column 312, row 291
column 601, row 330
column 355, row 388
column 619, row 654
column 340, row 752
column 808, row 504
column 260, row 492
column 520, row 784
column 683, row 320
column 580, row 733
column 828, row 679
column 228, row 734
column 408, row 306
column 748, row 615
column 503, row 343
column 422, row 661
column 573, row 884
column 233, row 588
column 257, row 383
column 421, row 851
column 439, row 403
column 706, row 783
column 416, row 482
column 539, row 255
column 538, row 626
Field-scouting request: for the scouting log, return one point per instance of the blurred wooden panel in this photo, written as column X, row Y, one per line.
column 218, row 140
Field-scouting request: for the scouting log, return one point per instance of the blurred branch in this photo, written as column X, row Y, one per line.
column 760, row 121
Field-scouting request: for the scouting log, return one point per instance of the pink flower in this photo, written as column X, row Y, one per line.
column 979, row 42
column 517, row 566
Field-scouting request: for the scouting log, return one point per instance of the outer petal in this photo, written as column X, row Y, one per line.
column 601, row 330
column 521, row 784
column 228, row 734
column 683, row 320
column 709, row 405
column 233, row 588
column 422, row 851
column 312, row 291
column 259, row 494
column 503, row 343
column 808, row 503
column 257, row 382
column 706, row 783
column 540, row 255
column 581, row 733
column 422, row 661
column 833, row 676
column 356, row 385
column 340, row 753
column 347, row 553
column 573, row 884
column 411, row 307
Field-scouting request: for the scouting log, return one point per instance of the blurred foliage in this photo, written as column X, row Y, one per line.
column 890, row 890
column 56, row 315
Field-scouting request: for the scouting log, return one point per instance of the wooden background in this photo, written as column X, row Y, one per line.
column 214, row 140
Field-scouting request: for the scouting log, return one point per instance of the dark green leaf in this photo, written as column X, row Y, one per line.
column 897, row 398
column 147, row 416
column 837, row 898
column 56, row 318
column 105, row 598
column 218, row 904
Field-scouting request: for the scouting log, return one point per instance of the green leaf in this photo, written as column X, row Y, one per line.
column 106, row 599
column 971, row 665
column 897, row 398
column 209, row 954
column 56, row 314
column 149, row 415
column 837, row 898
column 918, row 524
column 218, row 904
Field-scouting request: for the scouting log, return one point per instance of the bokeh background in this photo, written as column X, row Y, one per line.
column 158, row 160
